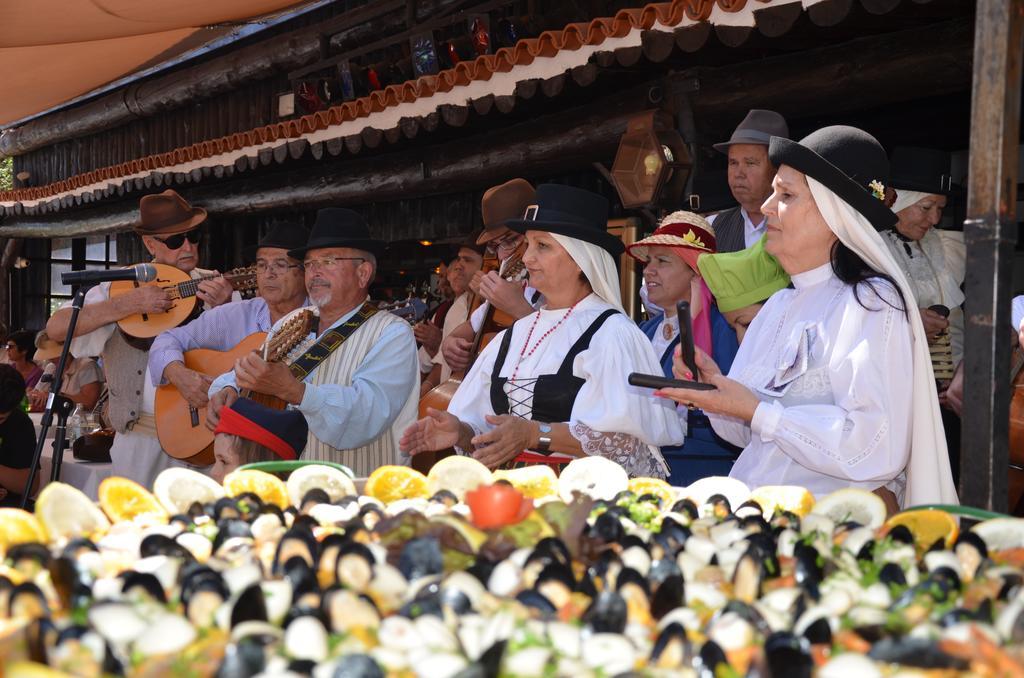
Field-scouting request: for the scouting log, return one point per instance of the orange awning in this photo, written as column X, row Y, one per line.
column 52, row 51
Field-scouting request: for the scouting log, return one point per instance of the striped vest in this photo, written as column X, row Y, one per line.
column 338, row 368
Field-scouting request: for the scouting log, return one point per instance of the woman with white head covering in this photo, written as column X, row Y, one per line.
column 934, row 261
column 554, row 384
column 832, row 386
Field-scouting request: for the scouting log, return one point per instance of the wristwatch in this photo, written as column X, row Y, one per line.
column 544, row 441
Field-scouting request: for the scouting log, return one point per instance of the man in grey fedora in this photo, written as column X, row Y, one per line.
column 750, row 175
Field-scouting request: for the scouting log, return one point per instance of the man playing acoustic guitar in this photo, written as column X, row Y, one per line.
column 360, row 383
column 168, row 226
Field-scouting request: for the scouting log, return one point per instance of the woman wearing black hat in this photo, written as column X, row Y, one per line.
column 933, row 261
column 832, row 386
column 555, row 382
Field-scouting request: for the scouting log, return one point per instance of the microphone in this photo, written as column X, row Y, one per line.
column 137, row 273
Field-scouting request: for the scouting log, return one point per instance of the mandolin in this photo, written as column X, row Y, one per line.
column 1016, row 479
column 182, row 288
column 181, row 428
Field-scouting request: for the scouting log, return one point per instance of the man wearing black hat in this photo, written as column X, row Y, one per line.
column 750, row 176
column 282, row 289
column 464, row 266
column 361, row 383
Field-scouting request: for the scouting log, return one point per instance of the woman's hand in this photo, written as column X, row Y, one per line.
column 730, row 397
column 436, row 431
column 510, row 436
column 934, row 324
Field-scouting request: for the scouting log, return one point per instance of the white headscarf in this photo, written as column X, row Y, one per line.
column 597, row 265
column 905, row 199
column 929, row 480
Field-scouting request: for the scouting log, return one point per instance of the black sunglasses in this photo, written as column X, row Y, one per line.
column 175, row 241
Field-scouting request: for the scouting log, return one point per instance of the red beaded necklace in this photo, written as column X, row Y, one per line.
column 523, row 353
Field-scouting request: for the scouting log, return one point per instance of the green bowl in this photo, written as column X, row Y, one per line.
column 962, row 511
column 286, row 467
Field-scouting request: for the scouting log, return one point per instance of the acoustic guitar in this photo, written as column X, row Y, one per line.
column 181, row 428
column 182, row 289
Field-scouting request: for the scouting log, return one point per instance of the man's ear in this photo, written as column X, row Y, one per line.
column 149, row 243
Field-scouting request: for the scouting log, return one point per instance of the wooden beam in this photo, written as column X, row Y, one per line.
column 9, row 250
column 860, row 74
column 990, row 233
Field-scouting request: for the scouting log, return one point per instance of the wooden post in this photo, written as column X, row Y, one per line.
column 990, row 235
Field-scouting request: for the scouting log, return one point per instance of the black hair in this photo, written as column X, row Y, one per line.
column 25, row 341
column 12, row 388
column 852, row 270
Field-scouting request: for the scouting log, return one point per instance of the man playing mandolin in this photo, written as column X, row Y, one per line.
column 169, row 229
column 361, row 380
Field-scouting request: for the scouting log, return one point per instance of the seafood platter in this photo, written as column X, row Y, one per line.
column 468, row 573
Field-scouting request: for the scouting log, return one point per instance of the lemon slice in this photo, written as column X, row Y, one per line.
column 458, row 475
column 19, row 527
column 852, row 503
column 597, row 477
column 178, row 488
column 317, row 476
column 123, row 499
column 65, row 511
column 267, row 487
column 24, row 669
column 927, row 526
column 778, row 498
column 391, row 483
column 536, row 482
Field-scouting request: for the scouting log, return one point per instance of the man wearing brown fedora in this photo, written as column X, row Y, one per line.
column 750, row 175
column 508, row 293
column 168, row 226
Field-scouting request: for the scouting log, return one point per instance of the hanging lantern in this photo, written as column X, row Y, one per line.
column 652, row 163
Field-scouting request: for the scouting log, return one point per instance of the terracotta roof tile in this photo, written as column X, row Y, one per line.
column 523, row 53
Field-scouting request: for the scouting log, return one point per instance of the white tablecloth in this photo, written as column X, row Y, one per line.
column 86, row 476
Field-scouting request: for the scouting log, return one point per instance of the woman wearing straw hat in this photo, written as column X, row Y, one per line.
column 670, row 258
column 554, row 384
column 832, row 385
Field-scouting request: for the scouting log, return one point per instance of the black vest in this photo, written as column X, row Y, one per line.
column 729, row 231
column 554, row 394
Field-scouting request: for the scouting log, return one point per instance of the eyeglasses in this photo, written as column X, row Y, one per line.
column 177, row 240
column 506, row 242
column 327, row 263
column 279, row 267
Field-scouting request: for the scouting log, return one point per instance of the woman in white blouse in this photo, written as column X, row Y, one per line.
column 832, row 386
column 553, row 386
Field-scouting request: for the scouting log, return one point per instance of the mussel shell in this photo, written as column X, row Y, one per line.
column 243, row 659
column 661, row 570
column 226, row 508
column 892, row 574
column 162, row 545
column 720, row 505
column 231, row 528
column 919, row 653
column 302, row 577
column 40, row 635
column 672, row 649
column 607, row 527
column 348, row 571
column 818, row 632
column 145, row 582
column 296, row 542
column 27, row 601
column 203, row 600
column 445, row 497
column 301, row 610
column 535, row 600
column 427, row 601
column 785, row 519
column 420, row 557
column 749, row 614
column 31, row 553
column 315, row 495
column 788, row 655
column 669, row 595
column 249, row 606
column 901, row 534
column 806, row 569
column 607, row 613
column 686, row 507
column 672, row 536
column 357, row 666
column 748, row 576
column 482, row 569
column 77, row 545
column 193, row 576
column 550, row 550
column 628, row 575
column 72, row 582
column 710, row 658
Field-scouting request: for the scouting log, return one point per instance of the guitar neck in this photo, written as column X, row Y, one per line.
column 189, row 288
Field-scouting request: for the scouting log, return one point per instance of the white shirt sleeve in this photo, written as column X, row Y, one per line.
column 864, row 435
column 91, row 345
column 1017, row 313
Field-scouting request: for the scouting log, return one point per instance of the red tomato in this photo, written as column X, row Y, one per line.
column 497, row 505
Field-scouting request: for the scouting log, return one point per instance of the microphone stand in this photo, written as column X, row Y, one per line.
column 56, row 404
